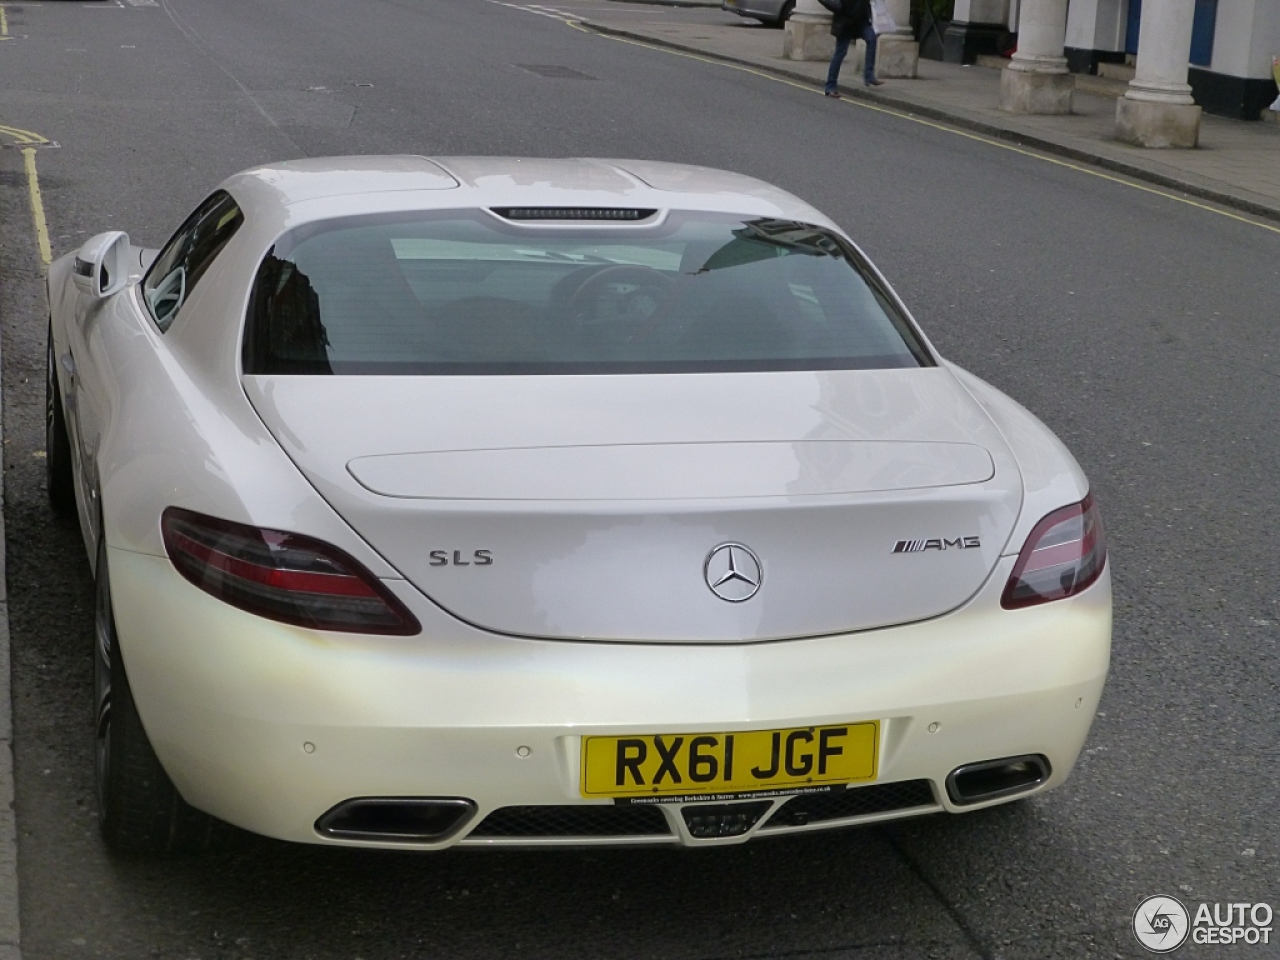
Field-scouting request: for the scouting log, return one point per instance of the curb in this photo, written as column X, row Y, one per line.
column 968, row 121
column 10, row 918
column 10, row 936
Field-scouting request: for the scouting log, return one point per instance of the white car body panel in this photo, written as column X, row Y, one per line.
column 589, row 562
column 715, row 470
column 229, row 698
column 1050, row 475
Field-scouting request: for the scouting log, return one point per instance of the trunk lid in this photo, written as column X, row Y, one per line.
column 588, row 507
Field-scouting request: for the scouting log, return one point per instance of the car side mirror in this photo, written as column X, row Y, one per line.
column 101, row 266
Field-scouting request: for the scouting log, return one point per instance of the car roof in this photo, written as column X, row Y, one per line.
column 297, row 191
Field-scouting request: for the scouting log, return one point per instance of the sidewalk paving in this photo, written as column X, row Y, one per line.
column 1237, row 163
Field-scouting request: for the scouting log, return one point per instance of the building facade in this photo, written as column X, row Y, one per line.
column 1230, row 55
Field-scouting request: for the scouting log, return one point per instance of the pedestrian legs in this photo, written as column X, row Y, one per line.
column 837, row 58
column 869, row 67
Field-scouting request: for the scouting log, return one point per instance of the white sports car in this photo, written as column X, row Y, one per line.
column 496, row 501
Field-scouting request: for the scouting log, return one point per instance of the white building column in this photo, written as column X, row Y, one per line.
column 807, row 35
column 897, row 53
column 1036, row 80
column 1158, row 110
column 1095, row 34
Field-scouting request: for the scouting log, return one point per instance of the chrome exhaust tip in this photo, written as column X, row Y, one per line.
column 396, row 819
column 997, row 779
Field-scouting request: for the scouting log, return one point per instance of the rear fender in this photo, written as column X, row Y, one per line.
column 178, row 432
column 1051, row 478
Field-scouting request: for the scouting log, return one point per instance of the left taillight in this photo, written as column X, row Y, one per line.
column 282, row 576
column 1064, row 554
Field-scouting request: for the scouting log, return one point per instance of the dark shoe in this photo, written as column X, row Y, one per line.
column 833, row 94
column 874, row 83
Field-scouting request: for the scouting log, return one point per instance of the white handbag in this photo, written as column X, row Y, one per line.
column 881, row 20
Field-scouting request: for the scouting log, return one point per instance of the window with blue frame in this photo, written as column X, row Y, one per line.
column 1202, row 30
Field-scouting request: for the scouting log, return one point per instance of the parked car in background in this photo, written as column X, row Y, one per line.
column 773, row 12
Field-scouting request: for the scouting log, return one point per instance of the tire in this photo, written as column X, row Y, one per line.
column 140, row 812
column 59, row 481
column 787, row 9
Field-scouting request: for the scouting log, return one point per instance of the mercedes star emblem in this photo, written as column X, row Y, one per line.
column 733, row 572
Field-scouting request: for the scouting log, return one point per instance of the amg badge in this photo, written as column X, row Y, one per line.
column 916, row 546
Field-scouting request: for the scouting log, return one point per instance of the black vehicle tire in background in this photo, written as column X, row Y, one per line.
column 57, row 445
column 140, row 812
column 787, row 9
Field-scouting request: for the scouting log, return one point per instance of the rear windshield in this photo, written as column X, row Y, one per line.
column 467, row 293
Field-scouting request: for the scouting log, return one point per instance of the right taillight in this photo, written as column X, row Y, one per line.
column 1064, row 554
column 282, row 576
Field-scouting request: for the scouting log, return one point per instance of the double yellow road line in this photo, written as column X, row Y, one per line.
column 28, row 142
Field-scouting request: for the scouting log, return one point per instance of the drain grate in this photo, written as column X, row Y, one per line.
column 554, row 71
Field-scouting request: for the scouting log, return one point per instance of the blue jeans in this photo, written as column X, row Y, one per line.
column 842, row 48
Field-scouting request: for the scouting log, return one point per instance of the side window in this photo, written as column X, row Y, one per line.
column 188, row 255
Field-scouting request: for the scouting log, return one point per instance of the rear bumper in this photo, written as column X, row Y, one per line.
column 269, row 726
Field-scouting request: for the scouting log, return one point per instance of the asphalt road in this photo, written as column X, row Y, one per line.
column 1142, row 330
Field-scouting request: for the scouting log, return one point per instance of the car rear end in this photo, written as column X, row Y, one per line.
column 684, row 536
column 273, row 727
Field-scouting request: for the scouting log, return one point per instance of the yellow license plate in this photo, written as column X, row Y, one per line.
column 755, row 760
